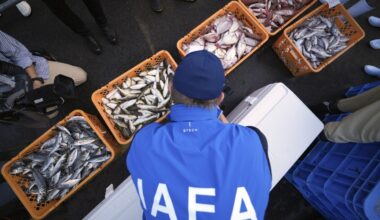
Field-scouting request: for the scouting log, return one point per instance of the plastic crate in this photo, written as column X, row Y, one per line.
column 39, row 211
column 360, row 89
column 348, row 189
column 297, row 14
column 337, row 178
column 102, row 92
column 304, row 170
column 372, row 204
column 355, row 163
column 243, row 15
column 324, row 170
column 363, row 191
column 295, row 61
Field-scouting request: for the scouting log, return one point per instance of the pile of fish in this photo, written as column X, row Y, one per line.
column 228, row 38
column 62, row 161
column 140, row 100
column 318, row 38
column 274, row 13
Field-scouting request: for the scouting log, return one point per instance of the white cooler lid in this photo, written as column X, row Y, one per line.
column 288, row 125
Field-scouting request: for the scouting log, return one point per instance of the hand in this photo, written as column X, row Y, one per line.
column 36, row 84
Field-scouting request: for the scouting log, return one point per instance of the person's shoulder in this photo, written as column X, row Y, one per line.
column 148, row 129
column 242, row 130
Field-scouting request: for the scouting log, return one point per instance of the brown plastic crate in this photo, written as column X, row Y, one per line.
column 102, row 92
column 39, row 211
column 298, row 13
column 295, row 61
column 241, row 14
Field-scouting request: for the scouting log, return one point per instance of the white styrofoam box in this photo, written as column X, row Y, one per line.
column 122, row 204
column 288, row 125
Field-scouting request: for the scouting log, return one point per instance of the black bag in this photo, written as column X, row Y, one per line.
column 48, row 98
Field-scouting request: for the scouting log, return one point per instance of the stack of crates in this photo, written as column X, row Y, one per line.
column 341, row 181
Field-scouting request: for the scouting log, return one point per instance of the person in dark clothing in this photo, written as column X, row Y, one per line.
column 61, row 9
column 156, row 5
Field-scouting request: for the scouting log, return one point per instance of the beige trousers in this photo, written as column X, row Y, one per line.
column 56, row 68
column 363, row 125
column 357, row 102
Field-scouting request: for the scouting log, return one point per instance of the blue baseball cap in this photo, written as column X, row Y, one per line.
column 200, row 75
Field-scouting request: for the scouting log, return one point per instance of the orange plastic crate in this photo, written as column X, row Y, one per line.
column 39, row 211
column 102, row 92
column 298, row 13
column 241, row 14
column 293, row 58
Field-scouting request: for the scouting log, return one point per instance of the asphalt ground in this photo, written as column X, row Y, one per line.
column 142, row 33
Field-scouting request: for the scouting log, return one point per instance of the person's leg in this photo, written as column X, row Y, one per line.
column 97, row 12
column 375, row 44
column 372, row 70
column 356, row 102
column 362, row 126
column 374, row 21
column 67, row 16
column 56, row 68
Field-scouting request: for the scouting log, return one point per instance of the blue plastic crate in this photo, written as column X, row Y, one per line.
column 329, row 118
column 360, row 89
column 372, row 203
column 289, row 174
column 302, row 172
column 337, row 178
column 339, row 183
column 365, row 189
column 323, row 172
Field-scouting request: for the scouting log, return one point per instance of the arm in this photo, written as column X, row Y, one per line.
column 33, row 74
column 19, row 55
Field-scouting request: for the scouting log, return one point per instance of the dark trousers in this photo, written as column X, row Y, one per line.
column 67, row 16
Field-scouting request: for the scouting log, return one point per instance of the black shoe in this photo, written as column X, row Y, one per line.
column 110, row 34
column 93, row 44
column 156, row 6
column 324, row 108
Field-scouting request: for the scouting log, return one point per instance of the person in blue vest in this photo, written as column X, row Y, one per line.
column 198, row 166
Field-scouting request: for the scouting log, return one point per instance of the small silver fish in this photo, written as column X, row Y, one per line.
column 99, row 159
column 84, row 141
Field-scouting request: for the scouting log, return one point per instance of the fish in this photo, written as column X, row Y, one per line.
column 84, row 141
column 227, row 37
column 318, row 39
column 16, row 170
column 63, row 129
column 69, row 184
column 53, row 194
column 40, row 182
column 55, row 167
column 274, row 13
column 151, row 92
column 48, row 143
column 72, row 157
column 99, row 159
